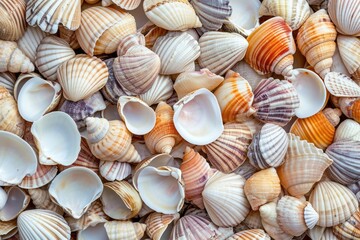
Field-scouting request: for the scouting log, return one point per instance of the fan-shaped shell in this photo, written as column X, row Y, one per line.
column 348, row 129
column 13, row 59
column 340, row 85
column 124, row 230
column 349, row 229
column 29, row 42
column 349, row 48
column 252, row 234
column 43, row 175
column 345, row 15
column 350, row 107
column 159, row 226
column 161, row 90
column 41, row 199
column 124, row 4
column 112, row 171
column 12, row 19
column 7, row 80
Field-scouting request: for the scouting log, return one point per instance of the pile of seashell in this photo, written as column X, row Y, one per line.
column 177, row 119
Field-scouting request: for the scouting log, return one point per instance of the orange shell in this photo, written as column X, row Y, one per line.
column 351, row 108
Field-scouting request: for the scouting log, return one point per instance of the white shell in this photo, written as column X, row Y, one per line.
column 93, row 232
column 247, row 72
column 338, row 64
column 340, row 85
column 3, row 198
column 112, row 171
column 16, row 202
column 29, row 42
column 345, row 15
column 348, row 129
column 349, row 48
column 161, row 90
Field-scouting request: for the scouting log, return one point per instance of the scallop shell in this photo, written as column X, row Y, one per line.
column 17, row 201
column 70, row 37
column 349, row 48
column 177, row 52
column 349, row 229
column 171, row 15
column 348, row 129
column 124, row 230
column 29, row 42
column 350, row 107
column 340, row 85
column 345, row 15
column 124, row 4
column 253, row 234
column 12, row 20
column 12, row 59
column 41, row 199
column 228, row 152
column 49, row 14
column 333, row 202
column 316, row 41
column 161, row 90
column 82, row 76
column 112, row 171
column 7, row 80
column 44, row 174
column 103, row 28
column 261, row 54
column 304, row 166
column 220, row 51
column 159, row 226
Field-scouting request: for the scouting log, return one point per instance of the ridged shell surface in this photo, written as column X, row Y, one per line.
column 252, row 234
column 349, row 48
column 30, row 40
column 12, row 19
column 345, row 16
column 340, row 85
column 13, row 60
column 350, row 229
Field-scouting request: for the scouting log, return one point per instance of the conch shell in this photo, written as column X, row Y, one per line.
column 12, row 20
column 13, row 60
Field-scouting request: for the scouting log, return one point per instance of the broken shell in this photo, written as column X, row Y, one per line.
column 124, row 230
column 171, row 15
column 56, row 147
column 17, row 202
column 13, row 59
column 13, row 19
column 159, row 226
column 43, row 175
column 252, row 234
column 349, row 229
column 112, row 171
column 349, row 48
column 350, row 107
column 161, row 90
column 344, row 15
column 7, row 80
column 30, row 41
column 68, row 198
column 124, row 4
column 41, row 199
column 340, row 85
column 348, row 129
column 197, row 117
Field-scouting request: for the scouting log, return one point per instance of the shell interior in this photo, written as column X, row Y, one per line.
column 17, row 201
column 93, row 233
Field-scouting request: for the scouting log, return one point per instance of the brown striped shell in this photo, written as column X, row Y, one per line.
column 12, row 19
column 251, row 234
column 350, row 229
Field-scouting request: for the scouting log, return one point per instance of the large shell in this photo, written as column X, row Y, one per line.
column 349, row 48
column 350, row 229
column 161, row 90
column 345, row 16
column 268, row 147
column 333, row 202
column 124, row 230
column 103, row 28
column 220, row 51
column 7, row 80
column 271, row 50
column 12, row 19
column 124, row 4
column 41, row 199
column 304, row 166
column 29, row 42
column 49, row 14
column 316, row 41
column 82, row 76
column 350, row 107
column 44, row 174
column 17, row 201
column 340, row 85
column 159, row 226
column 348, row 129
column 177, row 52
column 224, row 199
column 12, row 59
column 228, row 152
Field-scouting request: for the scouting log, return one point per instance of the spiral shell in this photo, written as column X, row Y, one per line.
column 13, row 60
column 12, row 20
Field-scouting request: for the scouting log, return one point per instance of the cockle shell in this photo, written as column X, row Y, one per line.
column 8, row 229
column 43, row 175
column 261, row 53
column 161, row 90
column 7, row 80
column 220, row 51
column 349, row 229
column 49, row 14
column 304, row 166
column 102, row 29
column 350, row 107
column 333, row 202
column 12, row 59
column 124, row 4
column 17, row 201
column 252, row 234
column 253, row 220
column 348, row 129
column 228, row 152
column 70, row 37
column 224, row 199
column 124, row 230
column 171, row 15
column 41, row 199
column 159, row 226
column 13, row 19
column 151, row 33
column 177, row 52
column 82, row 76
column 340, row 85
column 112, row 171
column 268, row 147
column 349, row 48
column 29, row 42
column 316, row 41
column 345, row 15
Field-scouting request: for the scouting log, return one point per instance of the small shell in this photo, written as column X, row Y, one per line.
column 151, row 33
column 41, row 199
column 124, row 4
column 253, row 220
column 159, row 226
column 12, row 19
column 220, row 51
column 350, row 107
column 124, row 230
column 17, row 202
column 7, row 80
column 13, row 59
column 29, row 42
column 112, row 171
column 8, row 229
column 349, row 48
column 345, row 15
column 340, row 85
column 44, row 174
column 349, row 229
column 70, row 37
column 161, row 90
column 253, row 234
column 348, row 129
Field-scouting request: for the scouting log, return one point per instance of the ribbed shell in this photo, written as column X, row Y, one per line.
column 41, row 200
column 349, row 48
column 275, row 101
column 13, row 60
column 348, row 129
column 350, row 229
column 82, row 76
column 48, row 14
column 252, row 234
column 112, row 171
column 268, row 147
column 29, row 42
column 43, row 175
column 333, row 202
column 124, row 230
column 271, row 47
column 228, row 152
column 220, row 51
column 161, row 90
column 304, row 166
column 124, row 4
column 12, row 20
column 152, row 33
column 159, row 226
column 340, row 85
column 70, row 37
column 7, row 80
column 345, row 16
column 351, row 108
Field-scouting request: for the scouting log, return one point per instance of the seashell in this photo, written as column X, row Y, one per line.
column 224, row 199
column 333, row 202
column 110, row 140
column 112, row 171
column 228, row 152
column 37, row 97
column 188, row 82
column 247, row 72
column 82, row 76
column 262, row 187
column 8, row 229
column 13, row 19
column 159, row 226
column 110, row 113
column 316, row 41
column 161, row 90
column 70, row 37
column 294, row 12
column 316, row 233
column 349, row 229
column 220, row 51
column 3, row 198
column 171, row 15
column 177, row 52
column 349, row 52
column 124, row 230
column 7, row 80
column 151, row 33
column 41, row 199
column 268, row 147
column 173, row 99
column 348, row 129
column 40, row 224
column 13, row 59
column 338, row 63
column 21, row 80
column 93, row 232
column 50, row 54
column 350, row 107
column 56, row 147
column 344, row 16
column 340, row 85
column 164, row 136
column 30, row 40
column 261, row 54
column 21, row 161
column 120, row 200
column 124, row 4
column 253, row 220
column 275, row 101
column 102, row 29
column 68, row 198
column 17, row 201
column 319, row 128
column 43, row 175
column 304, row 166
column 10, row 119
column 253, row 234
column 193, row 114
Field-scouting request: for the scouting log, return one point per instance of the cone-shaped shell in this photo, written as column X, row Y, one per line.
column 253, row 234
column 41, row 199
column 224, row 199
column 263, row 56
column 82, row 76
column 228, row 152
column 12, row 59
column 349, row 48
column 7, row 80
column 29, row 42
column 44, row 174
column 333, row 202
column 345, row 16
column 220, row 51
column 350, row 107
column 349, row 229
column 49, row 14
column 304, row 166
column 124, row 230
column 103, row 28
column 124, row 4
column 17, row 201
column 159, row 226
column 172, row 15
column 348, row 129
column 12, row 19
column 340, row 85
column 112, row 171
column 316, row 41
column 161, row 90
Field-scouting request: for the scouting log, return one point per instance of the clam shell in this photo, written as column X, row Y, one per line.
column 340, row 85
column 124, row 230
column 161, row 90
column 13, row 19
column 7, row 80
column 29, row 42
column 124, row 4
column 253, row 234
column 220, row 51
column 159, row 226
column 112, row 171
column 70, row 37
column 41, row 199
column 13, row 59
column 21, row 80
column 17, row 201
column 8, row 229
column 349, row 229
column 344, row 15
column 348, row 129
column 349, row 48
column 350, row 107
column 43, row 175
